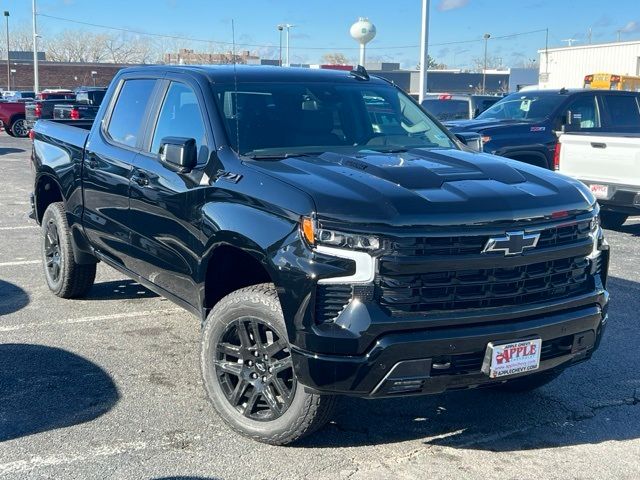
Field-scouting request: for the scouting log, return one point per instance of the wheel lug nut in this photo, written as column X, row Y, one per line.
column 264, row 379
column 254, row 375
column 256, row 353
column 249, row 362
column 270, row 369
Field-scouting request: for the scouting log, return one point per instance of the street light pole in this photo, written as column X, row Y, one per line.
column 36, row 86
column 486, row 37
column 6, row 15
column 424, row 50
column 288, row 27
column 280, row 28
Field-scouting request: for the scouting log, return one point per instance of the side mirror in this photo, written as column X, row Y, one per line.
column 178, row 153
column 470, row 139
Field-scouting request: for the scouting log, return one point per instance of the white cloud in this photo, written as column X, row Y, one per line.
column 445, row 5
column 630, row 27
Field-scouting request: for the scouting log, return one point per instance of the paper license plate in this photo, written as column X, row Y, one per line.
column 505, row 359
column 599, row 191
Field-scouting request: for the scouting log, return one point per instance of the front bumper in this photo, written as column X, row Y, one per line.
column 435, row 360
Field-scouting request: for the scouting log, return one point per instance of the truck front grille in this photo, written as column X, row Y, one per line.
column 562, row 235
column 483, row 288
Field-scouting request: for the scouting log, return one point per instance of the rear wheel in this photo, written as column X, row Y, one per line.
column 612, row 220
column 65, row 277
column 19, row 128
column 248, row 370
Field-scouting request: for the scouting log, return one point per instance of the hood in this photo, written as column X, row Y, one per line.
column 481, row 125
column 427, row 187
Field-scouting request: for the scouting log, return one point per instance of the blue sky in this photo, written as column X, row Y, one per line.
column 322, row 26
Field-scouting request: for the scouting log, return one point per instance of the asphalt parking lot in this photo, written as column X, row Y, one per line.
column 109, row 387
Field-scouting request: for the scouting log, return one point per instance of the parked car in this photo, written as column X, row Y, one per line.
column 16, row 96
column 42, row 107
column 609, row 164
column 524, row 125
column 327, row 250
column 446, row 106
column 12, row 118
column 85, row 106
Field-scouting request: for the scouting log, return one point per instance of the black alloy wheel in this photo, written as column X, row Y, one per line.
column 254, row 368
column 53, row 255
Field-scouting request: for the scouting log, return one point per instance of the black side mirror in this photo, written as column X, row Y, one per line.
column 472, row 140
column 179, row 154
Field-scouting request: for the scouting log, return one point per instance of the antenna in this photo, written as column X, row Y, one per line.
column 569, row 41
column 235, row 85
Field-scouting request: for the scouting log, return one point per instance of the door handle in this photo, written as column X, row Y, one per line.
column 598, row 145
column 141, row 179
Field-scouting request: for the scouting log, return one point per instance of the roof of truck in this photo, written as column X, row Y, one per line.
column 258, row 73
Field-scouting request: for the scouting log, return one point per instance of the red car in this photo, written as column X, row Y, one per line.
column 12, row 118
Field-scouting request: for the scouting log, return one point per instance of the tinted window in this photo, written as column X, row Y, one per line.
column 128, row 114
column 447, row 109
column 584, row 113
column 623, row 110
column 179, row 117
column 288, row 118
column 524, row 106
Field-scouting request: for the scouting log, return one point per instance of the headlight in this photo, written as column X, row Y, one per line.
column 333, row 238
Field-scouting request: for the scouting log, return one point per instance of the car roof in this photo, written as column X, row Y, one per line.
column 257, row 73
column 574, row 91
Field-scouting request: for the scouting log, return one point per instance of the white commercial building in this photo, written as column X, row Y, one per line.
column 567, row 66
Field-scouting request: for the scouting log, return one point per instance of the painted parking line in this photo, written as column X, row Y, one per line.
column 19, row 227
column 40, row 461
column 96, row 318
column 20, row 262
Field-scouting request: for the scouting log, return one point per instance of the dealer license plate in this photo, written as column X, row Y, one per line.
column 505, row 359
column 599, row 191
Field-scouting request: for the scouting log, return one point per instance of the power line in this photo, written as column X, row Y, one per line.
column 259, row 45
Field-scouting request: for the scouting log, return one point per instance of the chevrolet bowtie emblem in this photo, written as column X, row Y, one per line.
column 513, row 243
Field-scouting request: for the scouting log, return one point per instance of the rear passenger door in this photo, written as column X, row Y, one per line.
column 164, row 215
column 108, row 164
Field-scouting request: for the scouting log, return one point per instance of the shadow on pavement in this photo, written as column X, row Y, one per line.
column 186, row 478
column 630, row 228
column 119, row 289
column 489, row 419
column 44, row 388
column 12, row 298
column 9, row 150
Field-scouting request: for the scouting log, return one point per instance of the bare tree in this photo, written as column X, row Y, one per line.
column 335, row 58
column 492, row 63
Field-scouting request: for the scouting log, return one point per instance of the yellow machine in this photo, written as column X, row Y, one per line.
column 608, row 81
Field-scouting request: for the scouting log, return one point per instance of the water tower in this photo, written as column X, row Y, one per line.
column 363, row 32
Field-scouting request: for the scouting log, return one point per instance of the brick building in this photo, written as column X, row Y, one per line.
column 185, row 56
column 59, row 74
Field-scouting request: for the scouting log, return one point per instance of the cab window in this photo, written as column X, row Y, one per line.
column 180, row 116
column 128, row 113
column 585, row 114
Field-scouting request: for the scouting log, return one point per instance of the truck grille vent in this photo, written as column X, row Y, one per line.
column 473, row 244
column 331, row 300
column 483, row 288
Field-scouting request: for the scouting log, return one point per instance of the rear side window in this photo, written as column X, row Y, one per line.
column 129, row 111
column 445, row 110
column 623, row 110
column 584, row 113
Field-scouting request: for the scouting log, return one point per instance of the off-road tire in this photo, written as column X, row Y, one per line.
column 612, row 220
column 72, row 280
column 306, row 413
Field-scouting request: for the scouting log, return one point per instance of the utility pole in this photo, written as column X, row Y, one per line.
column 424, row 51
column 288, row 26
column 36, row 86
column 6, row 15
column 280, row 28
column 486, row 37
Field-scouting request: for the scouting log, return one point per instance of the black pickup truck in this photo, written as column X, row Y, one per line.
column 333, row 238
column 42, row 107
column 85, row 106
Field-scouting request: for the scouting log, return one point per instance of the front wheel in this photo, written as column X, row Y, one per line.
column 248, row 370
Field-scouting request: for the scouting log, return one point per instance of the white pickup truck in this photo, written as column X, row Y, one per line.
column 609, row 164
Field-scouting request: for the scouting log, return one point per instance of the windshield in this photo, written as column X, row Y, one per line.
column 279, row 119
column 445, row 110
column 520, row 106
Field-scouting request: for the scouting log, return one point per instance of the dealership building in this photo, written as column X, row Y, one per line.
column 567, row 66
